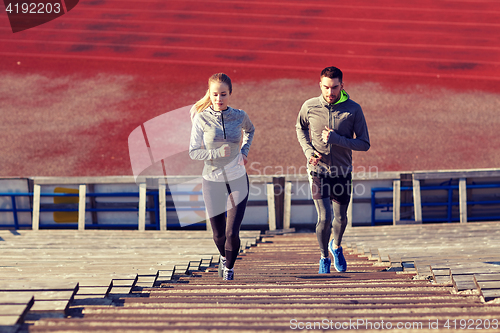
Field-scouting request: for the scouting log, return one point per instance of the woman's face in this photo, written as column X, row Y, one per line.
column 219, row 95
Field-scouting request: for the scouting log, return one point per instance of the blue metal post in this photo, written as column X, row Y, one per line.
column 14, row 211
column 450, row 204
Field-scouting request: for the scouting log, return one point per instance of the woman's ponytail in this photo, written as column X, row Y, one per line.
column 201, row 105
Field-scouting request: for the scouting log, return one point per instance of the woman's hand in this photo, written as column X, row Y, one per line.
column 225, row 150
column 243, row 160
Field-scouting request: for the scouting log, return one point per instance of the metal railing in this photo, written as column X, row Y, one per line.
column 14, row 210
column 67, row 208
column 449, row 204
column 152, row 206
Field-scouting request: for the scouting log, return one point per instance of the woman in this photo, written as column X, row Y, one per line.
column 215, row 138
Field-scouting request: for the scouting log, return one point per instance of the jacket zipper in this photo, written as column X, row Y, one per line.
column 223, row 127
column 330, row 126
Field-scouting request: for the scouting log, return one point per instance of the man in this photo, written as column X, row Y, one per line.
column 329, row 128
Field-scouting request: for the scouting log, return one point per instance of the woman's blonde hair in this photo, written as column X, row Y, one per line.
column 205, row 102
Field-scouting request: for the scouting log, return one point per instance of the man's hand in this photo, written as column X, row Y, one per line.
column 325, row 135
column 313, row 160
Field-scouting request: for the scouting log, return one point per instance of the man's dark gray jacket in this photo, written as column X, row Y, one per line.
column 350, row 133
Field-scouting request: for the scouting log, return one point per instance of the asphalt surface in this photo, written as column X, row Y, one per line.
column 72, row 90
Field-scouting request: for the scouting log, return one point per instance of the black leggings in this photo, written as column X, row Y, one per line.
column 226, row 205
column 326, row 208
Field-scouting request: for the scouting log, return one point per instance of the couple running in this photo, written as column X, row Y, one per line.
column 329, row 128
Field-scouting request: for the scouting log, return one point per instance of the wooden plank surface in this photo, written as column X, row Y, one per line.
column 8, row 323
column 271, row 207
column 18, row 310
column 490, row 294
column 265, row 296
column 82, row 191
column 462, row 192
column 396, row 203
column 44, row 271
column 463, row 282
column 15, row 298
column 455, row 252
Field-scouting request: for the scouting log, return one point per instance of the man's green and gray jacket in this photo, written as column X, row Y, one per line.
column 350, row 133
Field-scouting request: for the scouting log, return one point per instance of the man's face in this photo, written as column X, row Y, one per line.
column 330, row 88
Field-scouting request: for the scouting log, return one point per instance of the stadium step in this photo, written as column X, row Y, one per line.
column 43, row 272
column 277, row 288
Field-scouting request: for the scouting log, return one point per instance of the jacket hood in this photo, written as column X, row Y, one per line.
column 344, row 96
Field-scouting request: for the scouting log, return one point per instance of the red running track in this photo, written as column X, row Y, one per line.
column 167, row 49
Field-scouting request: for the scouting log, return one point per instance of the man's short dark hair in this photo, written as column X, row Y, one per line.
column 332, row 73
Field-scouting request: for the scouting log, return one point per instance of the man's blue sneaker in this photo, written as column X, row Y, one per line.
column 338, row 258
column 324, row 265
